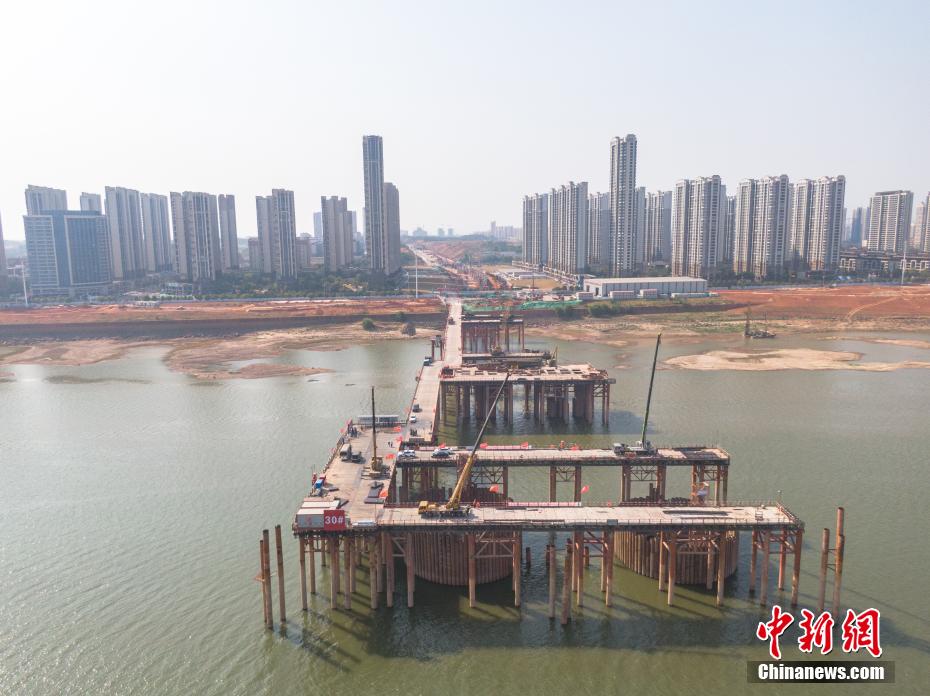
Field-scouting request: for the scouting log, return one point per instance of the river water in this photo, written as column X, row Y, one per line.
column 132, row 498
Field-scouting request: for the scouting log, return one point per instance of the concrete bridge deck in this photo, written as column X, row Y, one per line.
column 668, row 456
column 639, row 518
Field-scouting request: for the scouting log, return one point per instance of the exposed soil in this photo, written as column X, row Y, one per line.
column 786, row 359
column 210, row 358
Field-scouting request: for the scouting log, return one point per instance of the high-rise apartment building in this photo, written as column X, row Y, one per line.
column 919, row 225
column 376, row 244
column 890, row 221
column 598, row 231
column 816, row 227
column 568, row 228
column 336, row 229
column 858, row 228
column 536, row 229
column 304, row 251
column 622, row 204
column 229, row 234
column 255, row 255
column 156, row 231
column 277, row 230
column 639, row 229
column 829, row 212
column 195, row 220
column 698, row 208
column 124, row 215
column 91, row 202
column 761, row 223
column 41, row 199
column 658, row 237
column 770, row 227
column 925, row 234
column 729, row 232
column 68, row 251
column 391, row 199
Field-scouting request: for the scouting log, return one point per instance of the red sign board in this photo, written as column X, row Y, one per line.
column 334, row 519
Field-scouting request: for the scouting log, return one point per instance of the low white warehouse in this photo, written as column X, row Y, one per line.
column 602, row 287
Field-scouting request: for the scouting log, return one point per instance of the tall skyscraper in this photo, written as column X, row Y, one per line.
column 229, row 235
column 770, row 227
column 338, row 245
column 41, row 199
column 817, row 217
column 568, row 228
column 598, row 231
column 159, row 255
column 622, row 204
column 318, row 225
column 698, row 208
column 391, row 201
column 925, row 234
column 918, row 226
column 658, row 238
column 761, row 222
column 376, row 245
column 195, row 220
column 91, row 203
column 729, row 232
column 639, row 229
column 743, row 220
column 890, row 220
column 304, row 249
column 68, row 250
column 255, row 255
column 124, row 215
column 277, row 230
column 536, row 229
column 828, row 205
column 858, row 229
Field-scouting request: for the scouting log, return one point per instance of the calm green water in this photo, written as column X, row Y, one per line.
column 131, row 500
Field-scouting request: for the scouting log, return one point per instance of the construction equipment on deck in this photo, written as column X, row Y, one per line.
column 643, row 446
column 375, row 465
column 453, row 507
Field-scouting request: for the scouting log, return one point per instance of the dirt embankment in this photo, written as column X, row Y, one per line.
column 783, row 311
column 787, row 359
column 211, row 358
column 174, row 320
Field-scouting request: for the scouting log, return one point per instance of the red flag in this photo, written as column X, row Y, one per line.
column 525, row 445
column 493, row 489
column 484, row 445
column 383, row 493
column 389, row 456
column 584, row 489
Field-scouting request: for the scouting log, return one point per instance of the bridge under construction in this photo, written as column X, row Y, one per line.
column 365, row 516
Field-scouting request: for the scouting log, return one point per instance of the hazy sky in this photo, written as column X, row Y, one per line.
column 479, row 103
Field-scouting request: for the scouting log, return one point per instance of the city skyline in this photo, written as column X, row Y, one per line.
column 231, row 153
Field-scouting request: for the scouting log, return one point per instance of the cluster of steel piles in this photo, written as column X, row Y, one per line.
column 483, row 333
column 544, row 395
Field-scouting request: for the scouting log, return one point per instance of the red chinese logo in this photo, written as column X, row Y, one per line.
column 772, row 630
column 817, row 632
column 860, row 631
